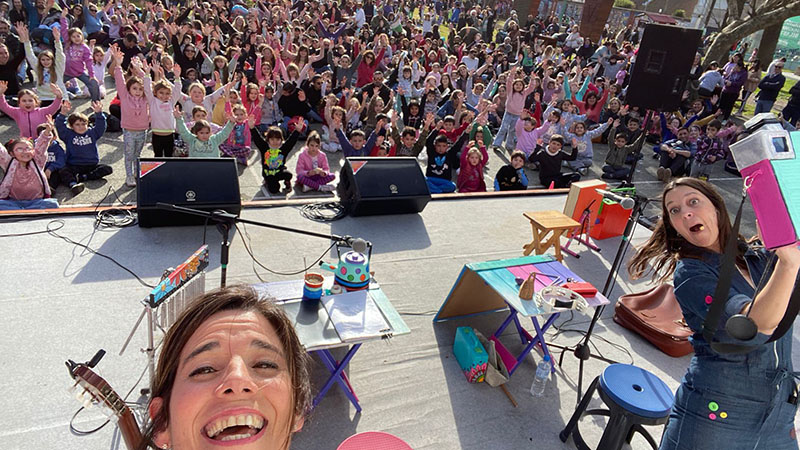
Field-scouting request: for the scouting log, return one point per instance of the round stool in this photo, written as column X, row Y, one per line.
column 373, row 440
column 634, row 397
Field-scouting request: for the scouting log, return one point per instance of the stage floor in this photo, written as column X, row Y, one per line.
column 61, row 302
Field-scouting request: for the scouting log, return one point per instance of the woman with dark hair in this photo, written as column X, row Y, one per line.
column 231, row 372
column 726, row 400
column 751, row 83
column 734, row 76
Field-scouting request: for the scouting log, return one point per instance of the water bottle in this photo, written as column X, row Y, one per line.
column 542, row 374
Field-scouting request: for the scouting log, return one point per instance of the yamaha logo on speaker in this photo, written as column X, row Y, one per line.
column 191, row 196
column 393, row 188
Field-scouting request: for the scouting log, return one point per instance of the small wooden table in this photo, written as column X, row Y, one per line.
column 544, row 222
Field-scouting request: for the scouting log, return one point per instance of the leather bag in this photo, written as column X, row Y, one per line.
column 656, row 316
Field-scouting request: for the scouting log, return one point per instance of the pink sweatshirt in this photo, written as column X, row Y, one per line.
column 135, row 111
column 28, row 121
column 470, row 178
column 515, row 101
column 36, row 165
column 161, row 118
column 305, row 163
column 79, row 57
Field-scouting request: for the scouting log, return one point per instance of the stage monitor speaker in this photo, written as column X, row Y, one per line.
column 207, row 184
column 371, row 186
column 662, row 67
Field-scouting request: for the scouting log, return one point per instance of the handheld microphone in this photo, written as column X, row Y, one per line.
column 625, row 202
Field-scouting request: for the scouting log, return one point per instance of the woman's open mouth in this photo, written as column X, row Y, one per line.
column 235, row 429
column 696, row 228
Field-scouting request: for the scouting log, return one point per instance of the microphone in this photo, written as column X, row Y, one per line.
column 625, row 202
column 359, row 245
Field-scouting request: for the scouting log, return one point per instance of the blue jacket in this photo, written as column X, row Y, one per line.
column 81, row 148
column 56, row 157
column 348, row 149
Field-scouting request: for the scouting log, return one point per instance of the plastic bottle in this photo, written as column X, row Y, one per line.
column 542, row 374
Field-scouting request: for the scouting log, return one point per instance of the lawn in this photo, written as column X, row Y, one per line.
column 783, row 97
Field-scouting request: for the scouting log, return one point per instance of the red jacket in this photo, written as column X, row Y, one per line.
column 365, row 72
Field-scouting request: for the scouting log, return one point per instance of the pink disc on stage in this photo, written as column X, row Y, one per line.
column 373, row 440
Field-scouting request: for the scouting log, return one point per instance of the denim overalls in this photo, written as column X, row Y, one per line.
column 729, row 401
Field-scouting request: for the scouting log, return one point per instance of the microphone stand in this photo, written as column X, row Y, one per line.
column 582, row 350
column 225, row 221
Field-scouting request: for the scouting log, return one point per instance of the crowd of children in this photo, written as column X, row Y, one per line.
column 396, row 79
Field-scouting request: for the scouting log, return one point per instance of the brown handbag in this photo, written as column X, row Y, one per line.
column 656, row 316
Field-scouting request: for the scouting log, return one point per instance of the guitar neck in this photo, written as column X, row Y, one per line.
column 130, row 430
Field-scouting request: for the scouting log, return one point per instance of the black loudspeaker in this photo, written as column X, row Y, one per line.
column 662, row 67
column 370, row 186
column 200, row 183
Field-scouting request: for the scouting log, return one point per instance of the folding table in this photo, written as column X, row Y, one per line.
column 318, row 334
column 491, row 286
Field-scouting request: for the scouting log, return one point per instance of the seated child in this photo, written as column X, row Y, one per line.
column 238, row 143
column 441, row 161
column 407, row 143
column 710, row 148
column 673, row 155
column 470, row 175
column 274, row 152
column 312, row 169
column 583, row 139
column 618, row 152
column 199, row 141
column 357, row 145
column 511, row 177
column 83, row 162
column 25, row 184
column 56, row 159
column 550, row 159
column 528, row 136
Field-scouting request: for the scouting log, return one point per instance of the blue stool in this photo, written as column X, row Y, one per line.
column 634, row 397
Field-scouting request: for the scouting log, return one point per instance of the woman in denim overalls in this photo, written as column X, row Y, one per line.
column 725, row 401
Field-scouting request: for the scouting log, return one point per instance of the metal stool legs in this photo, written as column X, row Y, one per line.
column 619, row 430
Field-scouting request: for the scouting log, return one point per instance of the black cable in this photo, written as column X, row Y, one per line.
column 114, row 217
column 32, row 233
column 78, row 432
column 53, row 233
column 256, row 261
column 323, row 212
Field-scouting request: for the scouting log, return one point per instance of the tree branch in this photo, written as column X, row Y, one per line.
column 738, row 28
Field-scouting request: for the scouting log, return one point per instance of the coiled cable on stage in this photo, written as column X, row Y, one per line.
column 323, row 212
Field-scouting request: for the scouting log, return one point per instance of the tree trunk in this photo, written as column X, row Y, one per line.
column 740, row 28
column 769, row 40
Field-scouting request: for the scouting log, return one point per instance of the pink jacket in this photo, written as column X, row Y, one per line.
column 515, row 101
column 135, row 111
column 10, row 164
column 28, row 121
column 305, row 163
column 470, row 178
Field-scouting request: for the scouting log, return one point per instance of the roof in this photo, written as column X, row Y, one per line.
column 659, row 18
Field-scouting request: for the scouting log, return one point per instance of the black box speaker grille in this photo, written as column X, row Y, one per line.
column 201, row 183
column 662, row 67
column 371, row 186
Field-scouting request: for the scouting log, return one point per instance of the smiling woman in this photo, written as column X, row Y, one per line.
column 232, row 373
column 726, row 400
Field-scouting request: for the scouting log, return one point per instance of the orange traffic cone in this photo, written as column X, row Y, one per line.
column 552, row 185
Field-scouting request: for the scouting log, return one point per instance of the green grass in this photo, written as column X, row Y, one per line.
column 783, row 98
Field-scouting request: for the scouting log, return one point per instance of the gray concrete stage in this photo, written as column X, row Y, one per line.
column 61, row 302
